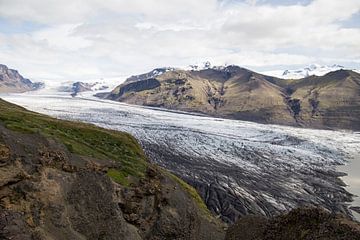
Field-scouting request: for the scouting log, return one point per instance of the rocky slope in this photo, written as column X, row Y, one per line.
column 329, row 101
column 332, row 100
column 303, row 223
column 12, row 81
column 66, row 180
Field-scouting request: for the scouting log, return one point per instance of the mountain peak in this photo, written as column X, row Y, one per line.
column 208, row 65
column 12, row 81
column 199, row 66
column 152, row 74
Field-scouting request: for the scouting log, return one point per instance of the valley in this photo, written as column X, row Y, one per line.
column 238, row 167
column 180, row 120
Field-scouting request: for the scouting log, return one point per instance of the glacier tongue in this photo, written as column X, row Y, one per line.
column 238, row 167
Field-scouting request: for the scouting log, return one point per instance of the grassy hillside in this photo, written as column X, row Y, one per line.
column 88, row 140
column 82, row 139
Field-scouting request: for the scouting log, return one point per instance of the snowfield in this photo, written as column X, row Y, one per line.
column 313, row 69
column 238, row 167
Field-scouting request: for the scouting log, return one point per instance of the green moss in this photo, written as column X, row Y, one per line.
column 192, row 192
column 118, row 176
column 19, row 127
column 80, row 138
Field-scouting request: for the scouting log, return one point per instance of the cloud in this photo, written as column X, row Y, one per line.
column 94, row 38
column 62, row 37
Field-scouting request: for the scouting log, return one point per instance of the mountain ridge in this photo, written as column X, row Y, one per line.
column 238, row 93
column 12, row 81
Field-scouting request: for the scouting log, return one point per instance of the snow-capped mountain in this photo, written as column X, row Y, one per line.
column 152, row 74
column 198, row 66
column 204, row 66
column 89, row 86
column 159, row 71
column 313, row 69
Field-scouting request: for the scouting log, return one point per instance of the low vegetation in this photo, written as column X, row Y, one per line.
column 89, row 140
column 192, row 192
column 80, row 138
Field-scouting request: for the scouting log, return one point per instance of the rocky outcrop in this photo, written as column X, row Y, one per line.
column 80, row 87
column 47, row 191
column 137, row 86
column 303, row 223
column 12, row 81
column 329, row 101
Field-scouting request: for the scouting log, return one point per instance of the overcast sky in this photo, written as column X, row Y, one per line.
column 89, row 39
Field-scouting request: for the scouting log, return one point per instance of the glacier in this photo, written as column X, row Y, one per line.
column 237, row 167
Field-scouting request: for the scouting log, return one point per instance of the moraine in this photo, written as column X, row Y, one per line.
column 238, row 167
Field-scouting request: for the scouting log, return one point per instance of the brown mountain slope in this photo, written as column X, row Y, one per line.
column 330, row 101
column 232, row 92
column 66, row 180
column 12, row 81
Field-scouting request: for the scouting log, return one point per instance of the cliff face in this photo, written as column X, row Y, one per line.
column 12, row 81
column 64, row 180
column 330, row 101
column 135, row 87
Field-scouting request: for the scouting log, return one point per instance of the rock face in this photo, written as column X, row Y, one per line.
column 47, row 191
column 12, row 81
column 139, row 86
column 303, row 223
column 330, row 101
column 80, row 87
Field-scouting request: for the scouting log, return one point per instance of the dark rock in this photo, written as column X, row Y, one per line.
column 303, row 223
column 137, row 87
column 50, row 193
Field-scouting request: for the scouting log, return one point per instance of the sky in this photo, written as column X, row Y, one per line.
column 91, row 39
